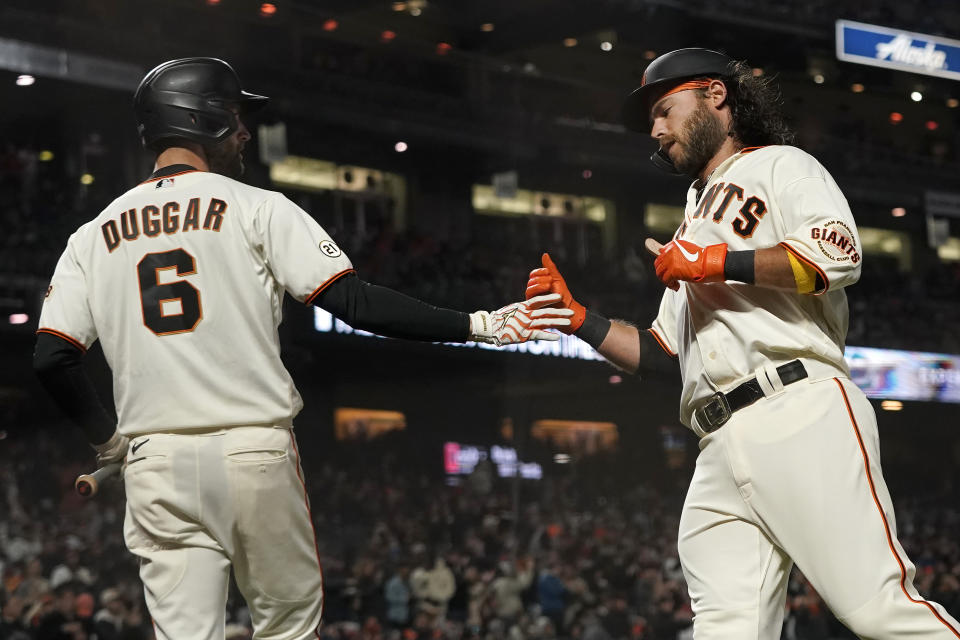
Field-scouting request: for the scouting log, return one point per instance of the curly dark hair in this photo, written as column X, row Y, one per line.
column 756, row 107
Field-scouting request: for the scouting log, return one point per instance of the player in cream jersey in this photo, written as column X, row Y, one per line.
column 190, row 272
column 789, row 465
column 181, row 279
column 757, row 198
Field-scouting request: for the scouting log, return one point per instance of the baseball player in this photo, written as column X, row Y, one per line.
column 181, row 279
column 755, row 314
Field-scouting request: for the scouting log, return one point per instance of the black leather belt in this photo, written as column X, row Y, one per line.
column 715, row 413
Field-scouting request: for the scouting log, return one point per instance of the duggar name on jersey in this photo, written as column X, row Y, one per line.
column 152, row 220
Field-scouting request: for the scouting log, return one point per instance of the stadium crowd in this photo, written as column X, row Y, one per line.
column 407, row 556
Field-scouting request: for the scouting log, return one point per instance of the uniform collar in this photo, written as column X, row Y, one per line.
column 699, row 187
column 170, row 170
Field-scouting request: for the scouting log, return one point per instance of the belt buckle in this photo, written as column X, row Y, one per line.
column 714, row 414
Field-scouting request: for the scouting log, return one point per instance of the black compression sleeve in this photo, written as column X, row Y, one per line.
column 390, row 313
column 59, row 366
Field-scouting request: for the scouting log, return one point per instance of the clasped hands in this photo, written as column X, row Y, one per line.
column 678, row 260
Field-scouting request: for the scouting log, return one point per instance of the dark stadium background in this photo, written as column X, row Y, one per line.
column 350, row 79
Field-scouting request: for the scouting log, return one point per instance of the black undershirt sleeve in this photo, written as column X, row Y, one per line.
column 390, row 313
column 654, row 357
column 58, row 364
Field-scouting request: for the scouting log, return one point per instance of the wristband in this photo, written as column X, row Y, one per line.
column 594, row 329
column 740, row 266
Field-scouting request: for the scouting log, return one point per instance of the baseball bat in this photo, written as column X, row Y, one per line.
column 88, row 484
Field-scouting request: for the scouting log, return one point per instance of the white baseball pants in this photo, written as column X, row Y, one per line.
column 198, row 504
column 796, row 477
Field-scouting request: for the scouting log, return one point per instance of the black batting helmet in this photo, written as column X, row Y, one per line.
column 191, row 98
column 667, row 71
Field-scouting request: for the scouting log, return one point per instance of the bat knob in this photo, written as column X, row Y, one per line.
column 86, row 485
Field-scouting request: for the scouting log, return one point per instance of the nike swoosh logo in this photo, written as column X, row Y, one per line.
column 691, row 257
column 137, row 445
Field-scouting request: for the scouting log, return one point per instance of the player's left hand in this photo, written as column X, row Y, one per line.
column 683, row 260
column 520, row 321
column 113, row 450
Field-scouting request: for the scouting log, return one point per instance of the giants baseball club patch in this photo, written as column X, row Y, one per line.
column 836, row 242
column 330, row 249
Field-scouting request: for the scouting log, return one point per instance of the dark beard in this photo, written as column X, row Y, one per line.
column 703, row 134
column 224, row 159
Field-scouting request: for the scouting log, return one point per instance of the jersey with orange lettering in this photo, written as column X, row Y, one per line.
column 724, row 332
column 182, row 279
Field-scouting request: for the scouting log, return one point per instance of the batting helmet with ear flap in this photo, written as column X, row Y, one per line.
column 191, row 98
column 664, row 73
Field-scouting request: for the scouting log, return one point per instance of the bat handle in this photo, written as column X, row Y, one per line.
column 88, row 484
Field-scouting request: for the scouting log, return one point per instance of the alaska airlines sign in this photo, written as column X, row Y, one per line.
column 895, row 49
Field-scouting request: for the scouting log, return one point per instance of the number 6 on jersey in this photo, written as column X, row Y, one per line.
column 153, row 293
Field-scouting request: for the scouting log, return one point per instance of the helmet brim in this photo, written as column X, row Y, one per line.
column 252, row 102
column 635, row 112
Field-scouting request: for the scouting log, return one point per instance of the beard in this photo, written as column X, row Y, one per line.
column 699, row 139
column 224, row 158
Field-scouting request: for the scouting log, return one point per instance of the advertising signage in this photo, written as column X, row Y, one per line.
column 895, row 49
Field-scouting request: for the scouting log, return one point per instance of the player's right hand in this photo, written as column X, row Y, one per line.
column 520, row 321
column 547, row 279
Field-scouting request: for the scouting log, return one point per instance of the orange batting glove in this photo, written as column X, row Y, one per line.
column 683, row 260
column 547, row 279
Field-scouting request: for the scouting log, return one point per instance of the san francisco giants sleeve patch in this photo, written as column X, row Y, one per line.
column 836, row 242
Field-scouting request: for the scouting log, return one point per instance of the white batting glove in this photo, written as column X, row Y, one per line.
column 113, row 450
column 520, row 321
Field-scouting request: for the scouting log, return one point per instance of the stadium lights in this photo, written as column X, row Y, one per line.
column 931, row 125
column 400, row 147
column 486, row 27
column 86, row 179
column 561, row 458
column 896, row 117
column 415, row 11
column 267, row 9
column 19, row 318
column 330, row 25
column 606, row 45
column 818, row 78
column 856, row 87
column 891, row 405
column 25, row 80
column 45, row 156
column 953, row 103
column 916, row 96
column 898, row 212
column 569, row 42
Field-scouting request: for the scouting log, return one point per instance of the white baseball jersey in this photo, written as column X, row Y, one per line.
column 723, row 332
column 182, row 280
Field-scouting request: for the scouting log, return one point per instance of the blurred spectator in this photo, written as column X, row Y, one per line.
column 11, row 621
column 507, row 588
column 552, row 595
column 397, row 594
